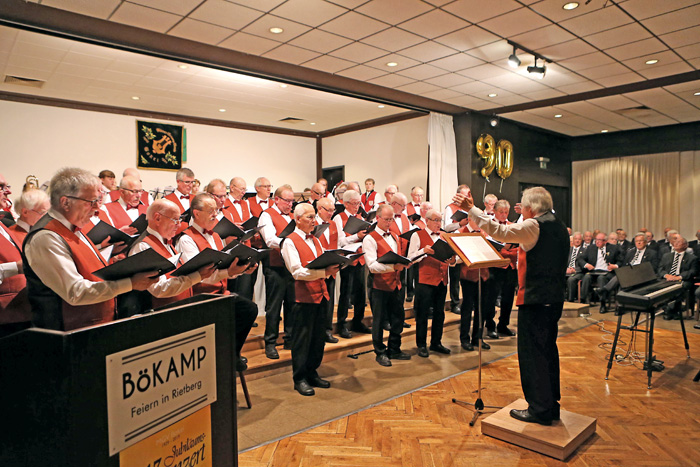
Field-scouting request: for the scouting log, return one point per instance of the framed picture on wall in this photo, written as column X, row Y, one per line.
column 159, row 145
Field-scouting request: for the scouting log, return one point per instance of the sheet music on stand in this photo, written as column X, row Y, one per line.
column 475, row 250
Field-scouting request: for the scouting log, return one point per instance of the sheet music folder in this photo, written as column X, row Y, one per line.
column 475, row 250
column 144, row 261
column 442, row 249
column 632, row 276
column 393, row 258
column 102, row 230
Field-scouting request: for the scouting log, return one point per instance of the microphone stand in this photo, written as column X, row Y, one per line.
column 479, row 403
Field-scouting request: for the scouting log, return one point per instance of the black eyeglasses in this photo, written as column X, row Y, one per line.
column 132, row 191
column 4, row 187
column 93, row 202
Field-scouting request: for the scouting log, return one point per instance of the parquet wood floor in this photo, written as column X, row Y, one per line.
column 636, row 426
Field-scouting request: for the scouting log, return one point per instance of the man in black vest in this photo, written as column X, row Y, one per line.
column 542, row 262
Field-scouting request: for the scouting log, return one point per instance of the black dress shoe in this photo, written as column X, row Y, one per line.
column 601, row 292
column 484, row 345
column 383, row 360
column 399, row 355
column 345, row 334
column 526, row 416
column 697, row 326
column 304, row 388
column 505, row 332
column 456, row 310
column 409, row 298
column 386, row 326
column 243, row 359
column 255, row 325
column 271, row 352
column 423, row 352
column 406, row 325
column 439, row 348
column 467, row 346
column 668, row 317
column 492, row 334
column 603, row 308
column 241, row 365
column 361, row 328
column 329, row 337
column 319, row 382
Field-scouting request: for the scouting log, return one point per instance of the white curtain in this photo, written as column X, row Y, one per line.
column 442, row 160
column 628, row 193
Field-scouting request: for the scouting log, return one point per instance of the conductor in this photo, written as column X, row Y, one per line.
column 542, row 262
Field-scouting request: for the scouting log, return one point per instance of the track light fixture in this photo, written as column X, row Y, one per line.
column 494, row 121
column 537, row 71
column 513, row 60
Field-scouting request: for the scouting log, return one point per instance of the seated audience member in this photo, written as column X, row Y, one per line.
column 311, row 301
column 109, row 181
column 587, row 239
column 666, row 240
column 59, row 260
column 695, row 244
column 651, row 243
column 622, row 241
column 198, row 237
column 387, row 301
column 369, row 197
column 128, row 207
column 574, row 274
column 612, row 238
column 678, row 265
column 634, row 256
column 666, row 246
column 599, row 260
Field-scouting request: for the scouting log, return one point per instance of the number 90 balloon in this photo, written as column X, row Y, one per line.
column 504, row 165
column 486, row 148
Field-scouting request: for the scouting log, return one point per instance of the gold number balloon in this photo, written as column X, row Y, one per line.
column 486, row 148
column 504, row 164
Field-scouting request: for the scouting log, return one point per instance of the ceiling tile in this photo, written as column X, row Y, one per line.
column 513, row 99
column 614, row 37
column 427, row 51
column 659, row 71
column 556, row 78
column 643, row 9
column 320, row 41
column 664, row 58
column 457, row 62
column 579, row 87
column 310, row 12
column 200, row 31
column 617, row 80
column 225, row 14
column 569, row 49
column 27, row 49
column 690, row 86
column 433, row 24
column 636, row 49
column 393, row 39
column 674, row 21
column 438, row 2
column 261, row 27
column 516, row 83
column 481, row 105
column 180, row 7
column 468, row 38
column 448, row 80
column 418, row 88
column 350, row 4
column 552, row 10
column 261, row 5
column 597, row 21
column 290, row 54
column 354, row 26
column 464, row 101
column 495, row 51
column 546, row 94
column 442, row 94
column 394, row 11
column 362, row 73
column 683, row 37
column 328, row 64
column 690, row 51
column 249, row 44
column 515, row 22
column 586, row 61
column 124, row 66
column 543, row 37
column 422, row 72
column 483, row 71
column 475, row 88
column 402, row 63
column 604, row 71
column 145, row 18
column 97, row 9
column 474, row 10
column 358, row 52
column 42, row 74
column 391, row 81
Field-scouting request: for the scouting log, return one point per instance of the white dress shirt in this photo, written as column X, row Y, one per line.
column 525, row 233
column 448, row 224
column 263, row 203
column 326, row 233
column 268, row 232
column 236, row 206
column 184, row 201
column 8, row 270
column 293, row 261
column 51, row 260
column 369, row 246
column 132, row 213
column 601, row 264
column 414, row 249
column 166, row 287
column 343, row 238
column 639, row 254
column 189, row 249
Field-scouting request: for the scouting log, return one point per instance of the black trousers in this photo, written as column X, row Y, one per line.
column 454, row 286
column 572, row 286
column 599, row 279
column 428, row 296
column 279, row 290
column 308, row 339
column 330, row 304
column 352, row 287
column 538, row 357
column 470, row 308
column 243, row 285
column 505, row 281
column 245, row 312
column 412, row 281
column 387, row 306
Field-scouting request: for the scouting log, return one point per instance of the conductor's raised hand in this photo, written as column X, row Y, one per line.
column 465, row 202
column 143, row 280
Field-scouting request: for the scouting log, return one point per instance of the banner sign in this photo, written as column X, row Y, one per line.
column 186, row 443
column 159, row 145
column 152, row 386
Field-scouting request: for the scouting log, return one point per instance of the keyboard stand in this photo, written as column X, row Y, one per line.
column 649, row 331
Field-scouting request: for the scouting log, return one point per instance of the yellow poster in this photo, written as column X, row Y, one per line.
column 185, row 443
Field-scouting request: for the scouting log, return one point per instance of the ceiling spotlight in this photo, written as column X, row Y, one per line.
column 537, row 71
column 182, row 67
column 493, row 94
column 283, row 85
column 603, row 131
column 653, row 61
column 513, row 60
column 135, row 98
column 494, row 121
column 312, row 123
column 543, row 161
column 697, row 94
column 392, row 64
column 381, row 106
column 276, row 30
column 222, row 110
column 570, row 6
column 557, row 116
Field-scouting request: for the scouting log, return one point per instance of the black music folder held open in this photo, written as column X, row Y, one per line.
column 354, row 225
column 225, row 228
column 288, row 230
column 140, row 223
column 244, row 253
column 409, row 233
column 319, row 229
column 102, row 230
column 203, row 258
column 144, row 261
column 393, row 258
column 443, row 251
column 459, row 215
column 250, row 223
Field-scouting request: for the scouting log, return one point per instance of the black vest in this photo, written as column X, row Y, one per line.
column 545, row 279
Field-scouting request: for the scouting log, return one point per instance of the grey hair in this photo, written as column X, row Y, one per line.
column 301, row 209
column 70, row 181
column 199, row 199
column 537, row 199
column 350, row 195
column 501, row 203
column 30, row 199
column 184, row 172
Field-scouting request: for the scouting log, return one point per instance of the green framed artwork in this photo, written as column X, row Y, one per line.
column 159, row 145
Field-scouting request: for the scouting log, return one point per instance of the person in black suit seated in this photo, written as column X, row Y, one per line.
column 600, row 260
column 639, row 254
column 573, row 270
column 678, row 265
column 651, row 243
column 695, row 244
column 666, row 246
column 622, row 243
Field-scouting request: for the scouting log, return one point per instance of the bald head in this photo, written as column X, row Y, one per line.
column 398, row 202
column 317, row 191
column 131, row 172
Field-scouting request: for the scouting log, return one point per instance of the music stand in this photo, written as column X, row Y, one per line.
column 477, row 253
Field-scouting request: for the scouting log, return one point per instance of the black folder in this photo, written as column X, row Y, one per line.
column 250, row 223
column 287, row 230
column 443, row 251
column 459, row 215
column 244, row 253
column 204, row 258
column 371, row 216
column 319, row 229
column 339, row 207
column 248, row 234
column 407, row 235
column 102, row 230
column 225, row 228
column 393, row 258
column 144, row 261
column 354, row 225
column 497, row 245
column 140, row 223
column 414, row 218
column 186, row 216
column 327, row 259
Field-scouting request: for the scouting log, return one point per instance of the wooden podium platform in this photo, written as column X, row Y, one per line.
column 558, row 440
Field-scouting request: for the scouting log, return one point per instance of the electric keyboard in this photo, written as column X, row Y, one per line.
column 641, row 290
